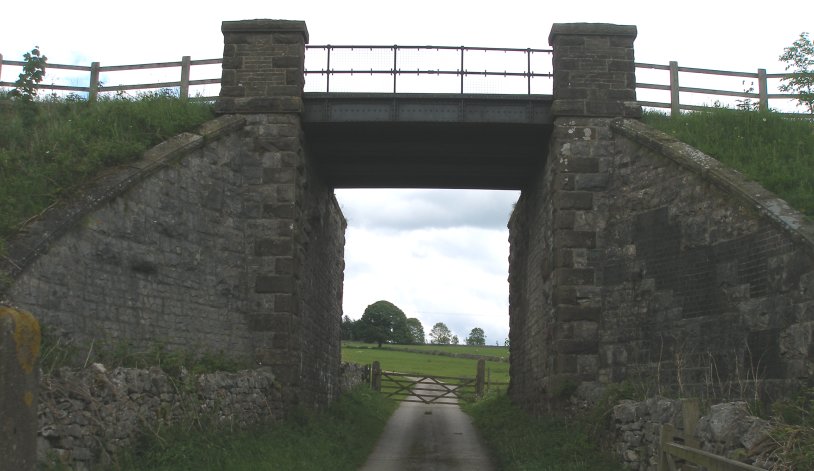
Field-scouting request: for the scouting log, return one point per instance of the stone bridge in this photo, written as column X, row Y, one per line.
column 633, row 256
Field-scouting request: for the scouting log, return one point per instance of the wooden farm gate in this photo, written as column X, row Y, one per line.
column 426, row 389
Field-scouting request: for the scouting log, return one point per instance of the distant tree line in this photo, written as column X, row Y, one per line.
column 383, row 322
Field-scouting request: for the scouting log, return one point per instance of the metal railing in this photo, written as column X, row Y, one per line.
column 396, row 61
column 393, row 69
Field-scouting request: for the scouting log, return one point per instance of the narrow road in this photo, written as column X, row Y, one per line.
column 429, row 438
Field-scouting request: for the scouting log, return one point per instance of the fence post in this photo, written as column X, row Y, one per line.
column 763, row 90
column 94, row 81
column 376, row 377
column 690, row 413
column 675, row 103
column 480, row 379
column 19, row 351
column 1, row 67
column 185, row 66
column 665, row 437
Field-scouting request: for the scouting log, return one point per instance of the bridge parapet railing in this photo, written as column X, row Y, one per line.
column 425, row 69
column 428, row 69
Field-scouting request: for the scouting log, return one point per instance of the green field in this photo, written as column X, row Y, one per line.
column 413, row 362
column 486, row 350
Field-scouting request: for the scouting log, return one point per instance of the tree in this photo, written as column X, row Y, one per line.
column 476, row 337
column 799, row 59
column 25, row 88
column 347, row 328
column 416, row 330
column 440, row 334
column 383, row 322
column 454, row 340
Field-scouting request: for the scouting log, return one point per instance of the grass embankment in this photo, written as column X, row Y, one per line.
column 424, row 363
column 48, row 147
column 766, row 147
column 339, row 438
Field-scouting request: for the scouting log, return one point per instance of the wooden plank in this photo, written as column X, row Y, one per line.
column 139, row 86
column 642, row 65
column 207, row 61
column 725, row 73
column 707, row 91
column 155, row 65
column 653, row 104
column 710, row 461
column 653, row 86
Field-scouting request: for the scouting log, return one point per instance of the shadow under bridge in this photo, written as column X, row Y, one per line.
column 455, row 141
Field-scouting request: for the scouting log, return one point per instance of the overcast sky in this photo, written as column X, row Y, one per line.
column 439, row 255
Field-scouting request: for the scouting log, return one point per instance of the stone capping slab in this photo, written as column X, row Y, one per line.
column 265, row 26
column 751, row 193
column 590, row 29
column 36, row 236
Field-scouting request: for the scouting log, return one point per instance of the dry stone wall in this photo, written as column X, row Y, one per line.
column 86, row 416
column 727, row 429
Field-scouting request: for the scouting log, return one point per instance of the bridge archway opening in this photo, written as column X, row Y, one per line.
column 440, row 255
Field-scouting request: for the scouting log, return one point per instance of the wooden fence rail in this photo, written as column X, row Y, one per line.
column 761, row 76
column 762, row 96
column 95, row 70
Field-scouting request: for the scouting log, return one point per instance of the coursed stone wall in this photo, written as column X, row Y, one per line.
column 634, row 256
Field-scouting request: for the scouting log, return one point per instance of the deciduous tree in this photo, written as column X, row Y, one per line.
column 799, row 59
column 383, row 322
column 440, row 334
column 476, row 337
column 416, row 330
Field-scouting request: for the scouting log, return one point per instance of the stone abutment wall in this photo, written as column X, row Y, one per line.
column 224, row 240
column 636, row 257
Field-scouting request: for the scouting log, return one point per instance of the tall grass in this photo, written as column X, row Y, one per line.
column 519, row 441
column 338, row 438
column 49, row 146
column 776, row 151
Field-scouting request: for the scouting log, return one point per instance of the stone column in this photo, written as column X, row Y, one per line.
column 594, row 82
column 294, row 238
column 263, row 66
column 19, row 351
column 594, row 71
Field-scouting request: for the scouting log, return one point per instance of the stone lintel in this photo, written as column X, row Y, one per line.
column 265, row 26
column 590, row 29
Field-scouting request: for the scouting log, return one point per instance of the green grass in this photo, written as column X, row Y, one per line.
column 412, row 362
column 518, row 441
column 766, row 147
column 339, row 438
column 48, row 147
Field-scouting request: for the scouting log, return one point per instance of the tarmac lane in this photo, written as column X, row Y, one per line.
column 429, row 438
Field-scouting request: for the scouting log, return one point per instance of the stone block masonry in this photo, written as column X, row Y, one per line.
column 222, row 240
column 636, row 257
